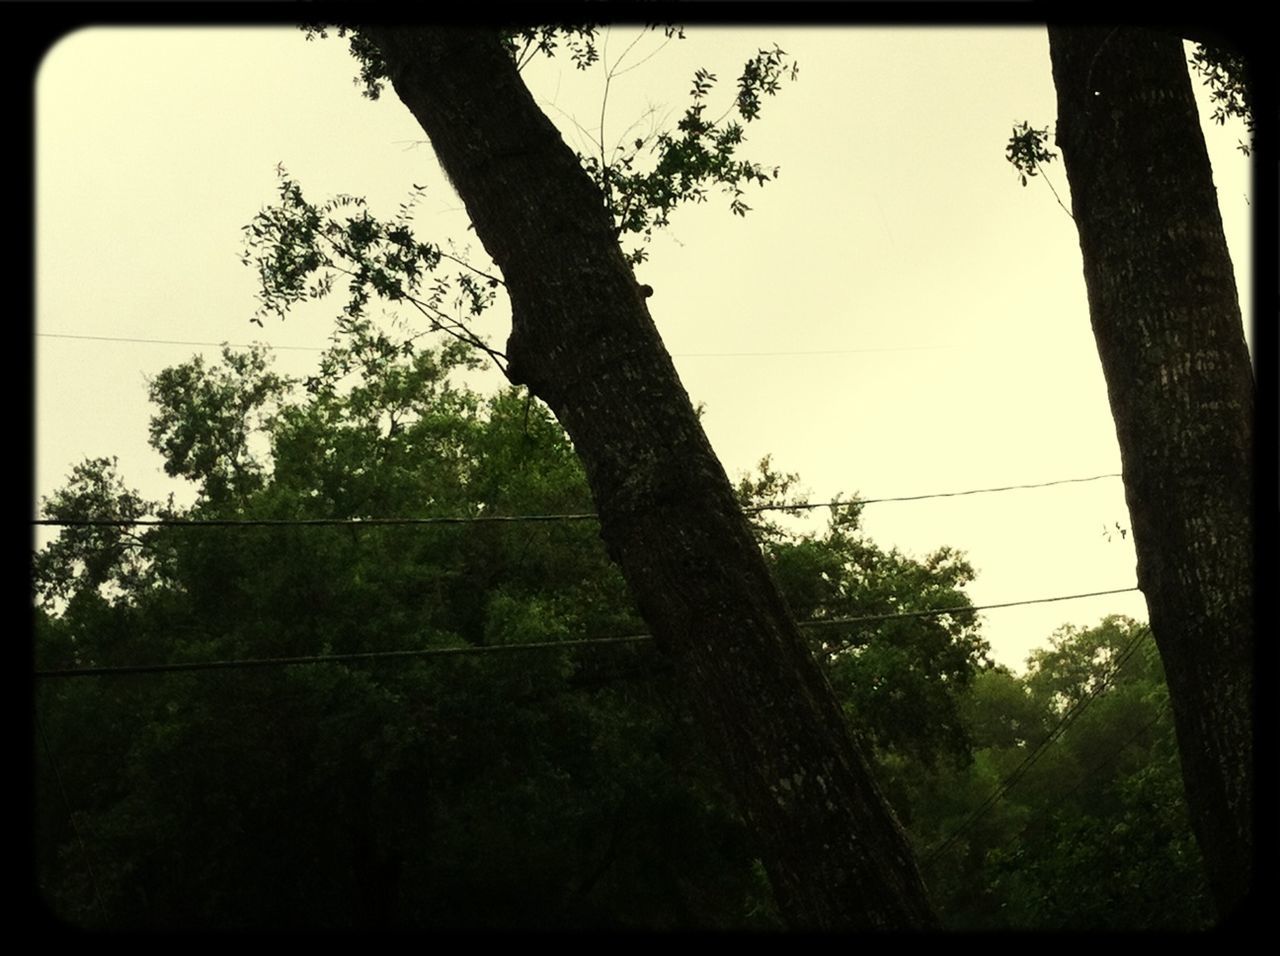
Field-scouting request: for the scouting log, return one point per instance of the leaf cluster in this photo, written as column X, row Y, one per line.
column 645, row 181
column 579, row 40
column 299, row 249
column 1028, row 150
column 1227, row 74
column 85, row 560
column 373, row 73
column 206, row 417
column 523, row 44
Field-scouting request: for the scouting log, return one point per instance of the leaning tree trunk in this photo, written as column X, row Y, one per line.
column 1166, row 316
column 583, row 341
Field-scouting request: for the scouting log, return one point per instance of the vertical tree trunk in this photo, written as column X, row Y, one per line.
column 583, row 341
column 1166, row 316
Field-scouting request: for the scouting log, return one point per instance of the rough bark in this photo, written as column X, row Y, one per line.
column 582, row 339
column 1166, row 317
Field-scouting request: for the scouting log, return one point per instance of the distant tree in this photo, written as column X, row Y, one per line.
column 1093, row 833
column 546, row 789
column 557, row 788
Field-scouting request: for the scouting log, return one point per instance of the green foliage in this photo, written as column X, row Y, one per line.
column 373, row 69
column 1095, row 833
column 641, row 182
column 206, row 416
column 518, row 790
column 523, row 44
column 900, row 680
column 579, row 40
column 299, row 249
column 644, row 182
column 1028, row 151
column 1227, row 74
column 84, row 560
column 539, row 789
column 1001, row 712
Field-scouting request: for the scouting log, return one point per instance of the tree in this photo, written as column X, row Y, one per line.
column 1166, row 317
column 1093, row 832
column 582, row 341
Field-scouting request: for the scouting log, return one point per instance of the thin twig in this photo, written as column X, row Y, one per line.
column 1055, row 195
column 604, row 161
column 642, row 62
column 617, row 71
column 467, row 265
column 465, row 335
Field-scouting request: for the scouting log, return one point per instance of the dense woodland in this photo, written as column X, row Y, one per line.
column 541, row 788
column 868, row 768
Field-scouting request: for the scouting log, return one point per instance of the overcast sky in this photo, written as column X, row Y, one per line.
column 896, row 316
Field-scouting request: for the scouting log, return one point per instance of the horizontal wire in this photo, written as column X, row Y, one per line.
column 480, row 519
column 301, row 522
column 118, row 338
column 306, row 348
column 332, row 658
column 887, row 348
column 498, row 648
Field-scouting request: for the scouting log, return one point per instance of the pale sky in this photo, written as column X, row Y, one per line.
column 918, row 318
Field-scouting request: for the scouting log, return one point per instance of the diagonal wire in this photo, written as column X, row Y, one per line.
column 1093, row 771
column 1039, row 750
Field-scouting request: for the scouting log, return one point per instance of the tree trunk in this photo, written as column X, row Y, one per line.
column 583, row 341
column 1166, row 316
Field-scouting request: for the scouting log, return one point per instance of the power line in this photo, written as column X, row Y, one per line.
column 502, row 648
column 1085, row 777
column 118, row 338
column 937, row 612
column 510, row 519
column 305, row 348
column 1093, row 771
column 940, row 494
column 244, row 663
column 899, row 348
column 304, row 522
